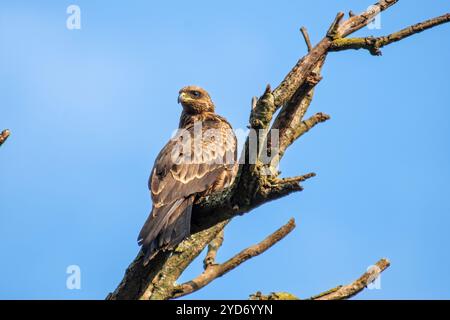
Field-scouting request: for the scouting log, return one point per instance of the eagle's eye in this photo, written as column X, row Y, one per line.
column 196, row 94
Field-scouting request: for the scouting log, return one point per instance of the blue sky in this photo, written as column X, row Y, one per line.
column 89, row 110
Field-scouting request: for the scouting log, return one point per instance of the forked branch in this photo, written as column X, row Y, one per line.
column 374, row 44
column 337, row 293
column 214, row 271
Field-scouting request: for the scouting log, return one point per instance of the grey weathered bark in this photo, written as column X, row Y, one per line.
column 253, row 186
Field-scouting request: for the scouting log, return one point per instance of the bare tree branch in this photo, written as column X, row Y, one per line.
column 352, row 289
column 337, row 293
column 295, row 78
column 373, row 45
column 289, row 120
column 4, row 135
column 357, row 22
column 214, row 271
column 273, row 296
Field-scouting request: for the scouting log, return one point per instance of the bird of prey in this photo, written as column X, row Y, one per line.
column 200, row 159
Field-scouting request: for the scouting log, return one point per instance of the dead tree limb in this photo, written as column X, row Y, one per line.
column 214, row 271
column 337, row 293
column 352, row 289
column 374, row 44
column 257, row 181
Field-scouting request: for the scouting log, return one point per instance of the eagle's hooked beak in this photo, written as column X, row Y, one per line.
column 180, row 97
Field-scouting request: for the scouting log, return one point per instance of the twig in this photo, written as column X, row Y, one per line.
column 215, row 271
column 333, row 31
column 309, row 123
column 296, row 132
column 282, row 187
column 305, row 34
column 213, row 247
column 4, row 136
column 297, row 179
column 262, row 110
column 254, row 101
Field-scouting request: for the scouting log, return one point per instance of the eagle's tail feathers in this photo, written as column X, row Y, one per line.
column 165, row 230
column 181, row 227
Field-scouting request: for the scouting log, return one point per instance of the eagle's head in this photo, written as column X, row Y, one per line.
column 195, row 100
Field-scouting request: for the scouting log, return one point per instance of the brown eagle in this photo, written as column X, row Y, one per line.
column 200, row 159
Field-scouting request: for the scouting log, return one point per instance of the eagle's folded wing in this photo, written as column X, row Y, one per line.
column 190, row 164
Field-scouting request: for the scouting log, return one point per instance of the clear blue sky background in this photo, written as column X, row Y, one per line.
column 89, row 110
